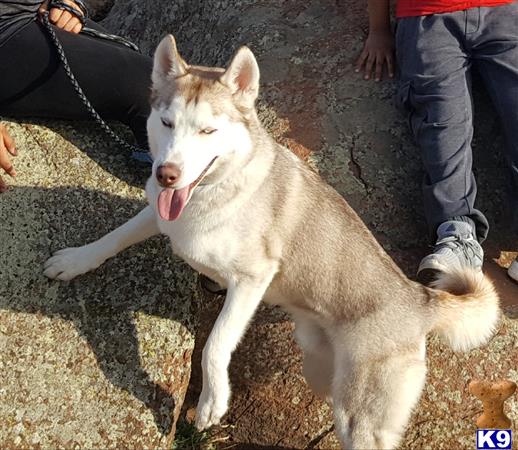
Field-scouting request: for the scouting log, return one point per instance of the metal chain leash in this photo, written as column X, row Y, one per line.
column 136, row 152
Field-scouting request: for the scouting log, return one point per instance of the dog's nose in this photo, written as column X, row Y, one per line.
column 167, row 174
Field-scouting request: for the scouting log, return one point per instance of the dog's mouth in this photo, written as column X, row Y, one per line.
column 171, row 202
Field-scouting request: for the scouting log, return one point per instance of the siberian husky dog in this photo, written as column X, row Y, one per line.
column 247, row 213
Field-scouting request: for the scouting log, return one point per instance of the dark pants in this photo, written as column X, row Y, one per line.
column 115, row 79
column 435, row 56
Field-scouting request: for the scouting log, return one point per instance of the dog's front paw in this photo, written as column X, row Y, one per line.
column 70, row 262
column 211, row 408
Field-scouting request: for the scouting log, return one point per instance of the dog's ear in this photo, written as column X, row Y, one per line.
column 168, row 64
column 242, row 77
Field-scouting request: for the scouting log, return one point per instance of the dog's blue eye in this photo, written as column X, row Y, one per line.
column 208, row 130
column 166, row 123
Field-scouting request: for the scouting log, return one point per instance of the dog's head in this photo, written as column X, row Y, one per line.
column 199, row 118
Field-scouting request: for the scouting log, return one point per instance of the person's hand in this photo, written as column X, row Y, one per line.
column 6, row 148
column 378, row 51
column 62, row 18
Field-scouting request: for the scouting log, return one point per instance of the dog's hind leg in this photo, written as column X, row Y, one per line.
column 318, row 355
column 68, row 263
column 373, row 399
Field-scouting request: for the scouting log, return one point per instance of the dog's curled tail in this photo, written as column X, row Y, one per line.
column 465, row 308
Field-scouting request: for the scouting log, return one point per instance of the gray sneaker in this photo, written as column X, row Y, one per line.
column 456, row 247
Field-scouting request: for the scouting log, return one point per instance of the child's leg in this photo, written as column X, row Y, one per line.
column 495, row 50
column 436, row 90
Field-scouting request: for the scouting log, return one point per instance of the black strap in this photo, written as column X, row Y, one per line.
column 83, row 8
column 137, row 153
column 109, row 37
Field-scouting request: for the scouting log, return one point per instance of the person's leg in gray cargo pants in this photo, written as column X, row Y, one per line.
column 435, row 56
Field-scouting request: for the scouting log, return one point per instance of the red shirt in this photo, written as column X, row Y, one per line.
column 406, row 8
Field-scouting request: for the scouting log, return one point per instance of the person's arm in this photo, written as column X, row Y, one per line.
column 64, row 19
column 379, row 46
column 7, row 148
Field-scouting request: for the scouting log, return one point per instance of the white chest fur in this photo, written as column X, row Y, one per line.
column 207, row 247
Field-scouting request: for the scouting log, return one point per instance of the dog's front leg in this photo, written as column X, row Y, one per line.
column 68, row 263
column 241, row 302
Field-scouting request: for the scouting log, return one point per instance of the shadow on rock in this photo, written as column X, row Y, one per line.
column 89, row 138
column 103, row 305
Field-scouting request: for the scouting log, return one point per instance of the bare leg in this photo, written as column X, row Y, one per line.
column 68, row 263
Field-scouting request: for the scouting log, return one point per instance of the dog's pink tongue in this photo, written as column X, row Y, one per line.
column 171, row 202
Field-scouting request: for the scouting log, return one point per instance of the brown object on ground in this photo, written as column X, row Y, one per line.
column 493, row 395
